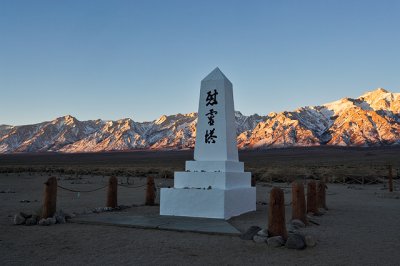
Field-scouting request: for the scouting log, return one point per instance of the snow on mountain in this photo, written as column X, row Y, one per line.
column 4, row 129
column 370, row 120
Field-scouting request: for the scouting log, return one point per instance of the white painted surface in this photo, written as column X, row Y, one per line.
column 214, row 166
column 214, row 184
column 221, row 180
column 224, row 148
column 213, row 203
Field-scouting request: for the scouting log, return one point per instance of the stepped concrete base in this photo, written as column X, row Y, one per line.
column 214, row 166
column 173, row 223
column 221, row 180
column 210, row 203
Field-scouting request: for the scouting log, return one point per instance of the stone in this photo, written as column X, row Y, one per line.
column 60, row 218
column 31, row 221
column 310, row 241
column 263, row 232
column 250, row 233
column 295, row 241
column 275, row 241
column 69, row 216
column 297, row 223
column 26, row 215
column 19, row 219
column 44, row 222
column 51, row 220
column 225, row 189
column 260, row 239
column 292, row 228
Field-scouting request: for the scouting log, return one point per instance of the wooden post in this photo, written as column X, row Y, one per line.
column 50, row 198
column 312, row 197
column 253, row 181
column 112, row 194
column 390, row 178
column 298, row 202
column 150, row 191
column 276, row 213
column 321, row 195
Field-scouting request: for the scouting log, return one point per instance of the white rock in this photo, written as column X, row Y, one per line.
column 43, row 222
column 260, row 239
column 51, row 220
column 292, row 228
column 276, row 241
column 295, row 241
column 19, row 219
column 297, row 223
column 310, row 241
column 60, row 219
column 32, row 220
column 263, row 232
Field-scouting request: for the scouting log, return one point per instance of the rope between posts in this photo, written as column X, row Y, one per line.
column 81, row 191
column 130, row 186
column 96, row 189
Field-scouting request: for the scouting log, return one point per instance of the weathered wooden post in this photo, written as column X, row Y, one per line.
column 321, row 195
column 390, row 178
column 150, row 191
column 276, row 213
column 298, row 202
column 253, row 181
column 312, row 197
column 112, row 194
column 50, row 198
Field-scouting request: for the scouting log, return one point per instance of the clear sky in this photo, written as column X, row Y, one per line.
column 142, row 59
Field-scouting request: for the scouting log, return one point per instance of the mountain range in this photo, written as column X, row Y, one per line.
column 373, row 119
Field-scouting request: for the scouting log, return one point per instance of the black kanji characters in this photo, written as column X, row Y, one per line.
column 211, row 115
column 211, row 98
column 210, row 137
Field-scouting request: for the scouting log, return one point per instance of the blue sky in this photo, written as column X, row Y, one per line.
column 141, row 59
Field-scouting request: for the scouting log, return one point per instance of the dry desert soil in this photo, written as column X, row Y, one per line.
column 361, row 226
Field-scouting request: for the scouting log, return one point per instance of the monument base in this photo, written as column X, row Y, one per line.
column 209, row 203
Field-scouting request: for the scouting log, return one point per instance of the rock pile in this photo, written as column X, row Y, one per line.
column 295, row 239
column 59, row 217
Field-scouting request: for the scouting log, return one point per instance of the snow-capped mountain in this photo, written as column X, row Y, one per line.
column 373, row 119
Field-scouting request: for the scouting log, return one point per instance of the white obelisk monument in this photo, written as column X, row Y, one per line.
column 214, row 185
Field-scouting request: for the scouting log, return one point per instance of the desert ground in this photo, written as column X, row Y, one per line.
column 361, row 226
